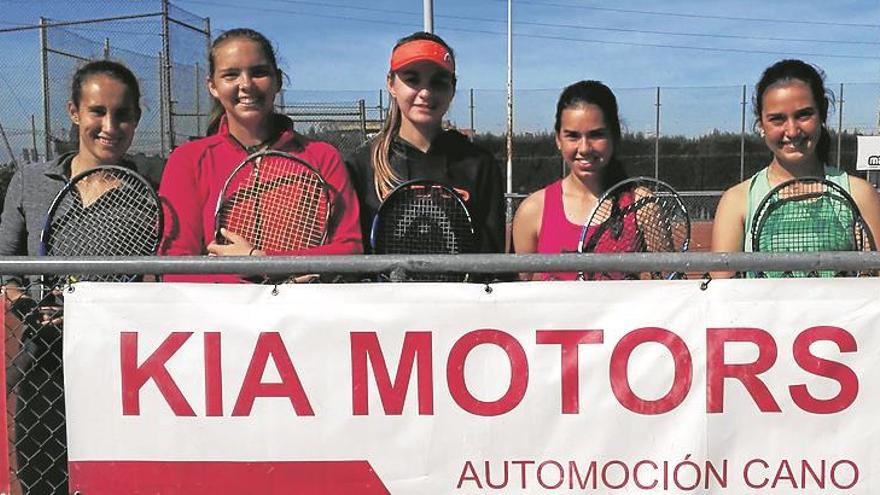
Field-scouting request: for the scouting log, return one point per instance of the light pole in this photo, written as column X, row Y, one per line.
column 429, row 16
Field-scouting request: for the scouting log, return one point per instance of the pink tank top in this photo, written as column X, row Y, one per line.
column 558, row 235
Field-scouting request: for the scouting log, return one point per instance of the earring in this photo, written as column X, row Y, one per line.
column 761, row 132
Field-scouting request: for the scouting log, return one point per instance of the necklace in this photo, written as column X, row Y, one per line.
column 250, row 150
column 257, row 147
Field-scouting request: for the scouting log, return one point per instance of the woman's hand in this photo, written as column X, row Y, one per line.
column 237, row 246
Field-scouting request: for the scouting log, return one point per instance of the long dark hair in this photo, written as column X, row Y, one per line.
column 384, row 178
column 812, row 76
column 238, row 33
column 107, row 68
column 595, row 93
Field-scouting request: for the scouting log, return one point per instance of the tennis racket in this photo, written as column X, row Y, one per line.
column 105, row 211
column 423, row 217
column 809, row 214
column 637, row 215
column 276, row 201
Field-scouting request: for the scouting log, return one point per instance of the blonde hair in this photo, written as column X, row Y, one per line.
column 384, row 178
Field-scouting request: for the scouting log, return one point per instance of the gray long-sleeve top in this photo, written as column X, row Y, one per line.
column 28, row 198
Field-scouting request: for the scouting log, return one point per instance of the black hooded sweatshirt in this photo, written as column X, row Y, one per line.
column 451, row 160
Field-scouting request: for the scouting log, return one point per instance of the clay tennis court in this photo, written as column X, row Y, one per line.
column 701, row 236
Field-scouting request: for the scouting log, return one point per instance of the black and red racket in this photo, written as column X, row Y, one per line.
column 277, row 201
column 423, row 217
column 637, row 215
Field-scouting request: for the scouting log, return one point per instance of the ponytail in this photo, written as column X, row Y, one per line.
column 384, row 178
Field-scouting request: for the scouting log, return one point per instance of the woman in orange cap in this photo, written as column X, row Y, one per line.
column 414, row 145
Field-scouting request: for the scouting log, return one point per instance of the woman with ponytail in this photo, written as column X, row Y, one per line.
column 588, row 137
column 413, row 144
column 791, row 110
column 244, row 79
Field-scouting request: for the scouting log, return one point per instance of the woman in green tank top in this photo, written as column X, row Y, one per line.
column 791, row 108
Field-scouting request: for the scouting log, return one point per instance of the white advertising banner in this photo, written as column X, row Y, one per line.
column 766, row 386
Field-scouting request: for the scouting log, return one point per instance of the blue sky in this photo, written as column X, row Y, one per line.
column 344, row 44
column 340, row 48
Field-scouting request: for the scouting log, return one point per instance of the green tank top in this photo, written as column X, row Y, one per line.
column 759, row 187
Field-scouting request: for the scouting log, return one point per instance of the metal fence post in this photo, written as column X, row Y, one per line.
column 281, row 98
column 209, row 102
column 473, row 126
column 381, row 105
column 8, row 147
column 208, row 42
column 840, row 125
column 166, row 73
column 44, row 73
column 362, row 114
column 162, row 149
column 742, row 139
column 657, row 137
column 198, row 101
column 106, row 48
column 34, row 156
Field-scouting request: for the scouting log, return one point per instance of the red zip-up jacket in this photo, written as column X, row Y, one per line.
column 195, row 174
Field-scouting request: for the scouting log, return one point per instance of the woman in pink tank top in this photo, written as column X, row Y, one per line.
column 587, row 135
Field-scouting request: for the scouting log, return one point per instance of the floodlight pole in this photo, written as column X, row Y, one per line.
column 509, row 189
column 429, row 16
column 509, row 186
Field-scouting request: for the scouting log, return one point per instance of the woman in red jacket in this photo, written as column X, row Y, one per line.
column 244, row 79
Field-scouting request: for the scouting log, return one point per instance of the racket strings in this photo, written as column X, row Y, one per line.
column 649, row 224
column 808, row 216
column 106, row 213
column 419, row 222
column 864, row 241
column 665, row 224
column 277, row 204
column 424, row 219
column 643, row 216
column 613, row 228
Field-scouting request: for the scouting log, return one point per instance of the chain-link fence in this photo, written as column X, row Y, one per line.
column 342, row 118
column 166, row 47
column 35, row 388
column 695, row 138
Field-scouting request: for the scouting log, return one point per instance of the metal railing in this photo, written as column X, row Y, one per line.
column 34, row 363
column 482, row 263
